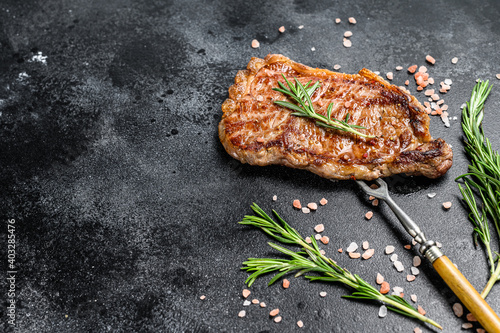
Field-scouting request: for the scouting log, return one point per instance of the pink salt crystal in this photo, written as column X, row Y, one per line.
column 368, row 254
column 319, row 228
column 447, row 205
column 296, row 204
column 312, row 206
column 458, row 309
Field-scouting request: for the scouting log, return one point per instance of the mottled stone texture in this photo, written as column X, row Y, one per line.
column 126, row 204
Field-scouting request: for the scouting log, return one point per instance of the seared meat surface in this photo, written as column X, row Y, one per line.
column 255, row 130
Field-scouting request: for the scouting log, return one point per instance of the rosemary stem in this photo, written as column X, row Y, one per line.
column 413, row 313
column 493, row 279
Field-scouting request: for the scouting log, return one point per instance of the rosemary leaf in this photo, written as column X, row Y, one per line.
column 301, row 94
column 483, row 179
column 310, row 260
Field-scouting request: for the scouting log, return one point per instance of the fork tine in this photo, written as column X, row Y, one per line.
column 380, row 193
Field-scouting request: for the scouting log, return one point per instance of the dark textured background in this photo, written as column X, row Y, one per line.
column 126, row 203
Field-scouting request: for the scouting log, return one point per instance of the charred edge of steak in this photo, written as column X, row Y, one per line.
column 431, row 160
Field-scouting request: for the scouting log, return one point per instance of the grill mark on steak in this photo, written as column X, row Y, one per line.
column 255, row 130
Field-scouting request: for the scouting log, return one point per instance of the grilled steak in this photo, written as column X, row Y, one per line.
column 255, row 130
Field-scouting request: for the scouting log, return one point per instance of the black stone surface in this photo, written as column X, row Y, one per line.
column 125, row 203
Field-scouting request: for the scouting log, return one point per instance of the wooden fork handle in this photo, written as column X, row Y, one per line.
column 467, row 294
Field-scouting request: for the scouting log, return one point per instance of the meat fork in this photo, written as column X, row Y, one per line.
column 445, row 268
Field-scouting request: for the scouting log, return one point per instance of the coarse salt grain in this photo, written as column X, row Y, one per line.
column 389, row 249
column 379, row 279
column 417, row 261
column 413, row 297
column 385, row 287
column 323, row 202
column 382, row 311
column 336, row 67
column 417, row 330
column 325, row 240
column 408, row 247
column 410, row 278
column 340, row 250
column 470, row 317
column 317, row 236
column 352, row 20
column 431, row 195
column 202, row 297
column 277, row 319
column 306, row 210
column 281, row 29
column 398, row 68
column 421, row 310
column 347, row 34
column 447, row 205
column 375, row 202
column 255, row 301
column 312, row 206
column 337, row 20
column 429, row 92
column 454, row 60
column 262, row 305
column 301, row 27
column 458, row 309
column 365, row 245
column 300, row 324
column 286, row 283
column 389, row 75
column 394, row 257
column 323, row 252
column 242, row 313
column 369, row 215
column 313, row 49
column 397, row 290
column 422, row 69
column 347, row 43
column 308, row 240
column 255, row 43
column 368, row 254
column 322, row 294
column 274, row 312
column 247, row 303
column 415, row 271
column 412, row 69
column 354, row 255
column 319, row 228
column 296, row 204
column 246, row 293
column 467, row 326
column 399, row 266
column 275, row 197
column 352, row 247
column 430, row 59
column 497, row 76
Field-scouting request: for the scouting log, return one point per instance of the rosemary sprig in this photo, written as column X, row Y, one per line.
column 302, row 95
column 310, row 260
column 483, row 179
